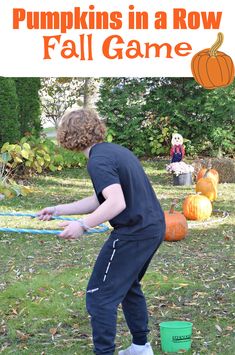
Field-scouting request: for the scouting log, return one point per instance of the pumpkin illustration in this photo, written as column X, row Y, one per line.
column 197, row 207
column 207, row 187
column 210, row 173
column 176, row 225
column 212, row 68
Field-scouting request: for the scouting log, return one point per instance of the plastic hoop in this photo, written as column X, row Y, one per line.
column 224, row 215
column 101, row 229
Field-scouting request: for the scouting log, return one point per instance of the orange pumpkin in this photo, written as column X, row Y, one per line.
column 212, row 68
column 211, row 173
column 197, row 207
column 176, row 225
column 207, row 187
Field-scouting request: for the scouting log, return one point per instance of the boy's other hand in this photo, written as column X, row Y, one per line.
column 47, row 213
column 72, row 230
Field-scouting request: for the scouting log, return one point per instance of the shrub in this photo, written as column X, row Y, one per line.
column 36, row 155
column 29, row 105
column 11, row 189
column 142, row 113
column 8, row 111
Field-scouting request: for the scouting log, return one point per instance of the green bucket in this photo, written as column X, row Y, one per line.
column 175, row 336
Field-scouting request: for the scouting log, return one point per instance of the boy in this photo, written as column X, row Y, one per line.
column 124, row 197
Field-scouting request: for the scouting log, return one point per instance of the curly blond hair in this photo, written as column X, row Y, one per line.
column 80, row 129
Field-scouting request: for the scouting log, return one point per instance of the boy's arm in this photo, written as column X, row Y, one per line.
column 113, row 205
column 86, row 205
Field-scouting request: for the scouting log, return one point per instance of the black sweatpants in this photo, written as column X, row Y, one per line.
column 115, row 279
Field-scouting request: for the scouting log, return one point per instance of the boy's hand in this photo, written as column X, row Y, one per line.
column 47, row 213
column 72, row 230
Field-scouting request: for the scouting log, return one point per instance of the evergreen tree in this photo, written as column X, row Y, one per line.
column 29, row 105
column 9, row 124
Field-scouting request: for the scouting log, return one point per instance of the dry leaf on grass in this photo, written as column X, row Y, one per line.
column 22, row 336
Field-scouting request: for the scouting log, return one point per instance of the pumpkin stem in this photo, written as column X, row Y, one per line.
column 209, row 165
column 216, row 45
column 206, row 173
column 172, row 209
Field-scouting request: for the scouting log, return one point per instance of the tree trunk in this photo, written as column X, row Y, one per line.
column 87, row 96
column 220, row 152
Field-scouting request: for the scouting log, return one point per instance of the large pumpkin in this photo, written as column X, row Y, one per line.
column 211, row 173
column 212, row 68
column 207, row 187
column 197, row 207
column 176, row 225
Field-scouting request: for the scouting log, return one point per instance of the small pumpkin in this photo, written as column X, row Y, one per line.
column 197, row 207
column 176, row 225
column 212, row 68
column 207, row 187
column 211, row 173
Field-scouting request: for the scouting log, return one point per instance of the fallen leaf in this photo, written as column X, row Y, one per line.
column 22, row 336
column 79, row 293
column 229, row 328
column 53, row 331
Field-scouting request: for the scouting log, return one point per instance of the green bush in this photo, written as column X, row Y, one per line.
column 142, row 114
column 10, row 189
column 29, row 105
column 36, row 155
column 8, row 111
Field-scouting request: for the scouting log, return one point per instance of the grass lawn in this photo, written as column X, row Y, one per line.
column 43, row 279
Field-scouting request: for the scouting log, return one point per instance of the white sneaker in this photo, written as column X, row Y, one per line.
column 147, row 350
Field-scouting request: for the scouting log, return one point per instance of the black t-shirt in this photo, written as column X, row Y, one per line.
column 113, row 164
